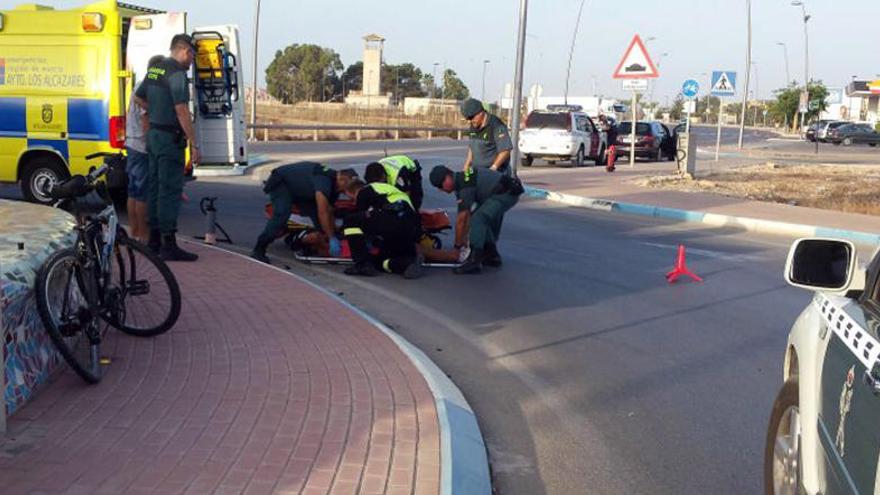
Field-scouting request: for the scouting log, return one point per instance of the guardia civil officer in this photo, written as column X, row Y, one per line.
column 401, row 172
column 164, row 93
column 490, row 143
column 483, row 196
column 313, row 188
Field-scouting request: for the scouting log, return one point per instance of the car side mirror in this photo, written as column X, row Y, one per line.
column 826, row 265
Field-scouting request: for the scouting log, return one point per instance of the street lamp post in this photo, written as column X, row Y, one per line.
column 518, row 84
column 434, row 81
column 654, row 83
column 254, row 90
column 745, row 100
column 577, row 24
column 483, row 86
column 785, row 55
column 806, row 17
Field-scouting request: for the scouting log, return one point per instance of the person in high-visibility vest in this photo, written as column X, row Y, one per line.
column 401, row 172
column 386, row 212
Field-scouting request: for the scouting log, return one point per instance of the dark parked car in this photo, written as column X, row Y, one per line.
column 653, row 141
column 854, row 134
column 823, row 131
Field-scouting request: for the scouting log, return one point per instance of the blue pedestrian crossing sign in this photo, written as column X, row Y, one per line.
column 690, row 88
column 723, row 83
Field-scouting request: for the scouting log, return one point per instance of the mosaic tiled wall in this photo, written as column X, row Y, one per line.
column 28, row 234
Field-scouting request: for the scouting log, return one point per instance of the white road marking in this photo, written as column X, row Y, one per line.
column 708, row 253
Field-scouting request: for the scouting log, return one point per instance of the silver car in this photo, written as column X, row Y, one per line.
column 824, row 432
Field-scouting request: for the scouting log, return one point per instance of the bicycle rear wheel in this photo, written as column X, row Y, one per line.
column 63, row 292
column 148, row 295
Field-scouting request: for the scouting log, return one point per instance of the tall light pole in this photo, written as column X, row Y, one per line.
column 745, row 100
column 483, row 87
column 785, row 54
column 577, row 24
column 654, row 83
column 806, row 17
column 254, row 89
column 518, row 84
column 434, row 81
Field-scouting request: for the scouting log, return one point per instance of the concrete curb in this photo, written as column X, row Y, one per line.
column 711, row 219
column 233, row 171
column 464, row 465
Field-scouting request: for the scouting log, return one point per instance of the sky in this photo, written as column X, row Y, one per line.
column 698, row 35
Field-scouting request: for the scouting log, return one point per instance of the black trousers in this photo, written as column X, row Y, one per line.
column 399, row 231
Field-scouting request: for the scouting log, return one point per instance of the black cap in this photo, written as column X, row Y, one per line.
column 471, row 107
column 438, row 175
column 182, row 38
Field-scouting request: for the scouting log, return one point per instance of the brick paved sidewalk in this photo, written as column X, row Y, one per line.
column 264, row 385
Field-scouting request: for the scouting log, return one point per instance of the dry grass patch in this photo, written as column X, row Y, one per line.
column 851, row 189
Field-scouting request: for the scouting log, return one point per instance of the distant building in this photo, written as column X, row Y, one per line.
column 370, row 96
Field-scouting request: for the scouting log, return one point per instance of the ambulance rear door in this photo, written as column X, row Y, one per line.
column 219, row 97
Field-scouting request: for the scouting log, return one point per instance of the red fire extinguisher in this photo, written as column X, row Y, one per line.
column 612, row 157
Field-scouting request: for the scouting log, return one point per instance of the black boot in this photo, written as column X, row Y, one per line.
column 361, row 268
column 472, row 265
column 171, row 252
column 492, row 258
column 414, row 269
column 155, row 241
column 259, row 252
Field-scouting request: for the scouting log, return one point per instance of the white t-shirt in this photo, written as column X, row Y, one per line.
column 134, row 130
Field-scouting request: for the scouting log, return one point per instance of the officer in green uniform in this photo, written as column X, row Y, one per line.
column 387, row 213
column 401, row 172
column 490, row 142
column 165, row 95
column 313, row 188
column 483, row 197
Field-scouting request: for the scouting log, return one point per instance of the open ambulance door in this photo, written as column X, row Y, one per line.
column 218, row 87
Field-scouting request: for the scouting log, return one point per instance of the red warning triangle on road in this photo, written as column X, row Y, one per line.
column 636, row 63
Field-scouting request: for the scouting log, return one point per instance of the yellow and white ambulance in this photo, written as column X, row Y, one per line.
column 65, row 80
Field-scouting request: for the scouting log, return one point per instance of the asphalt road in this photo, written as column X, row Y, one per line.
column 588, row 372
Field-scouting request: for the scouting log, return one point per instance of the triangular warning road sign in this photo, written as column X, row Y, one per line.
column 636, row 63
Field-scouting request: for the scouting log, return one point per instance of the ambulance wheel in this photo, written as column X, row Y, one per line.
column 39, row 175
column 527, row 161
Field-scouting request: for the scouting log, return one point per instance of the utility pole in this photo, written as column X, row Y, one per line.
column 577, row 24
column 254, row 89
column 434, row 81
column 518, row 84
column 742, row 120
column 785, row 54
column 806, row 17
column 483, row 87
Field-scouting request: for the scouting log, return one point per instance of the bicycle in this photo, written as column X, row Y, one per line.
column 105, row 279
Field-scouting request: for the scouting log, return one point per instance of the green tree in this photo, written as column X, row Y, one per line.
column 403, row 80
column 303, row 73
column 676, row 112
column 787, row 102
column 453, row 87
column 707, row 109
column 352, row 79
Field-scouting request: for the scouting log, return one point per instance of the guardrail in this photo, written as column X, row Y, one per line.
column 358, row 129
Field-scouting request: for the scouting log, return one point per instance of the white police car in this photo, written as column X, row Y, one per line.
column 824, row 432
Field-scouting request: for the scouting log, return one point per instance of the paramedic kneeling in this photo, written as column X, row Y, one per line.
column 483, row 197
column 387, row 213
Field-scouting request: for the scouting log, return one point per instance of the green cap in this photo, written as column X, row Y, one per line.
column 471, row 107
column 438, row 175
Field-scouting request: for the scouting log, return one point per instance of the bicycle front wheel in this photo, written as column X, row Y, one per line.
column 148, row 297
column 63, row 291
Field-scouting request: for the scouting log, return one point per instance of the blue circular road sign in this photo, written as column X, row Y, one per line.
column 690, row 88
